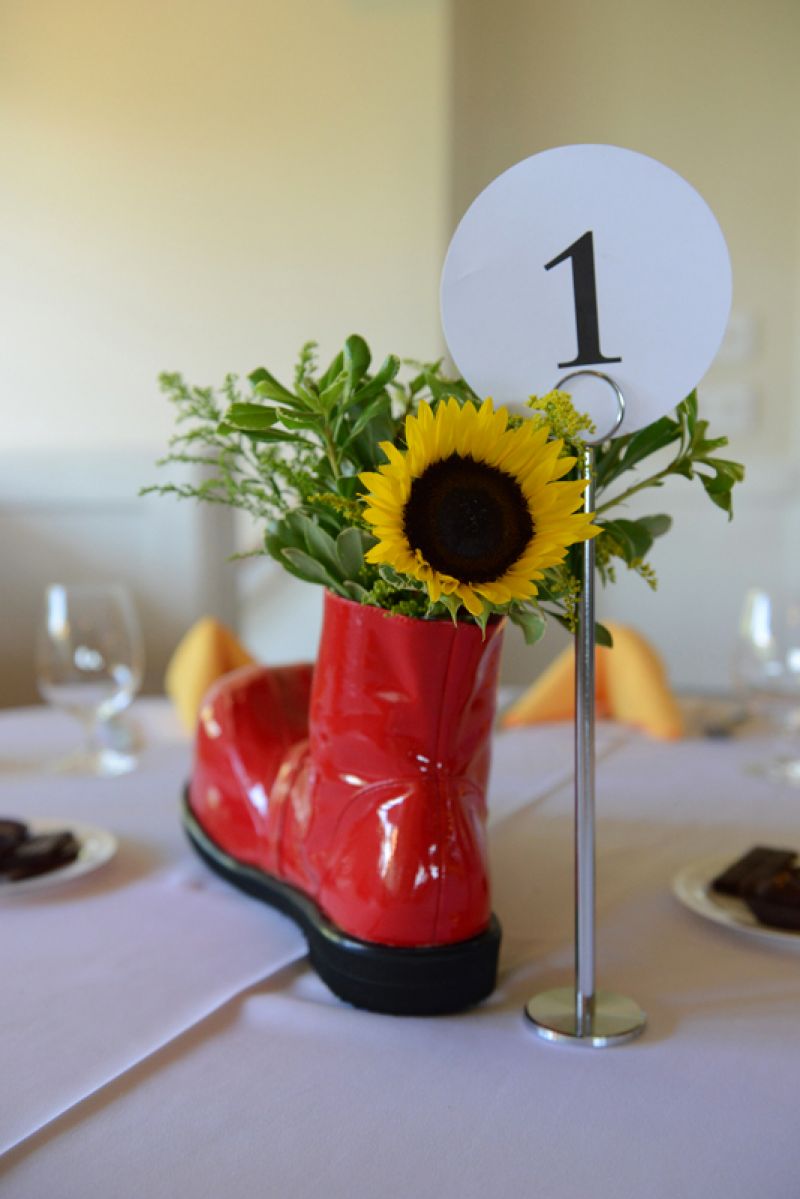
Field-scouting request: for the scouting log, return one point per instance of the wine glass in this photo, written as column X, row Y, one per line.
column 767, row 671
column 89, row 663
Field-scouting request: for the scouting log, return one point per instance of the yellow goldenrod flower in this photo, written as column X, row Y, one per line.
column 557, row 411
column 474, row 509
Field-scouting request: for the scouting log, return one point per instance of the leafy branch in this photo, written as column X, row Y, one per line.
column 290, row 456
column 694, row 458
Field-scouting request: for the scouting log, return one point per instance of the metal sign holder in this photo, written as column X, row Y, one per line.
column 580, row 1015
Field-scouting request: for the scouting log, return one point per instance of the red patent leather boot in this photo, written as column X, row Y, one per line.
column 363, row 817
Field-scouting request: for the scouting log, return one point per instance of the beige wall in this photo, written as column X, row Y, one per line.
column 203, row 186
column 713, row 90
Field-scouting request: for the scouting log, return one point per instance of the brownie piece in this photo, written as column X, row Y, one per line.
column 12, row 834
column 38, row 855
column 776, row 901
column 758, row 865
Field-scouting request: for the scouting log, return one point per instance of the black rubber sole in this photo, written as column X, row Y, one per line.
column 430, row 981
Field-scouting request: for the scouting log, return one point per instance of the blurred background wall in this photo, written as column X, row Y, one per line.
column 713, row 90
column 203, row 186
column 200, row 184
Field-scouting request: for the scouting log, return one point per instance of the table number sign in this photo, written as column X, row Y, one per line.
column 603, row 263
column 587, row 256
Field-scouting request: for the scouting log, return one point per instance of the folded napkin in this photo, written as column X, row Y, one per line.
column 631, row 686
column 208, row 651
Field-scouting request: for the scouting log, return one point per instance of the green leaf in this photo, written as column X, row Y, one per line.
column 719, row 486
column 320, row 545
column 687, row 416
column 306, row 567
column 723, row 499
column 333, row 392
column 283, row 532
column 461, row 390
column 283, row 535
column 452, row 604
column 602, row 636
column 687, row 410
column 702, row 446
column 417, row 383
column 273, row 436
column 307, row 399
column 357, row 358
column 638, row 534
column 387, row 372
column 608, row 462
column 437, row 387
column 533, row 624
column 266, row 384
column 292, row 403
column 482, row 618
column 380, row 405
column 249, row 417
column 349, row 487
column 308, row 421
column 331, row 373
column 731, row 470
column 275, row 550
column 650, row 439
column 632, row 536
column 658, row 525
column 554, row 614
column 350, row 553
column 293, row 529
column 365, row 448
column 355, row 591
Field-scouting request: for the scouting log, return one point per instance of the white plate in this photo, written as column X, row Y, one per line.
column 692, row 886
column 97, row 846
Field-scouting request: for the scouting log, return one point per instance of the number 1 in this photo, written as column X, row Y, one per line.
column 585, row 290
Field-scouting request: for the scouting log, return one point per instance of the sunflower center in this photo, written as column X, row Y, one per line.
column 468, row 519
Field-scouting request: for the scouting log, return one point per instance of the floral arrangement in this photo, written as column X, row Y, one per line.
column 415, row 495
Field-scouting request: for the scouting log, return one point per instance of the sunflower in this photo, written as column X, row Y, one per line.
column 474, row 509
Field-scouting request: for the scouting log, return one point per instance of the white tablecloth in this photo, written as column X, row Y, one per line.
column 163, row 1035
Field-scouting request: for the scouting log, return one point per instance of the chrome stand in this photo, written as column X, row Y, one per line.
column 580, row 1015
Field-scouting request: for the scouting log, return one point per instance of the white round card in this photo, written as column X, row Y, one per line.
column 587, row 258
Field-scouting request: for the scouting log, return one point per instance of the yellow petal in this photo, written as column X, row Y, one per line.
column 434, row 588
column 470, row 600
column 465, row 442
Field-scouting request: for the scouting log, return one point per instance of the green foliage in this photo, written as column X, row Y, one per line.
column 630, row 541
column 532, row 623
column 291, row 456
column 692, row 457
column 300, row 543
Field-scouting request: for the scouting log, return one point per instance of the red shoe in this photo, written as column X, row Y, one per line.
column 363, row 819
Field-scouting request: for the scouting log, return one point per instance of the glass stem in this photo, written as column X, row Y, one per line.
column 91, row 740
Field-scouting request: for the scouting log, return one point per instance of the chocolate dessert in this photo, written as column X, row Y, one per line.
column 758, row 865
column 12, row 834
column 39, row 854
column 776, row 901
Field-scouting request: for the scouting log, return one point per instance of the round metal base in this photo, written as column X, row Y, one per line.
column 613, row 1019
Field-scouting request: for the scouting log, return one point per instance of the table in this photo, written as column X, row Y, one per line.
column 163, row 1035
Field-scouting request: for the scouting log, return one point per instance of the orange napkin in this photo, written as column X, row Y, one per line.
column 631, row 686
column 208, row 651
